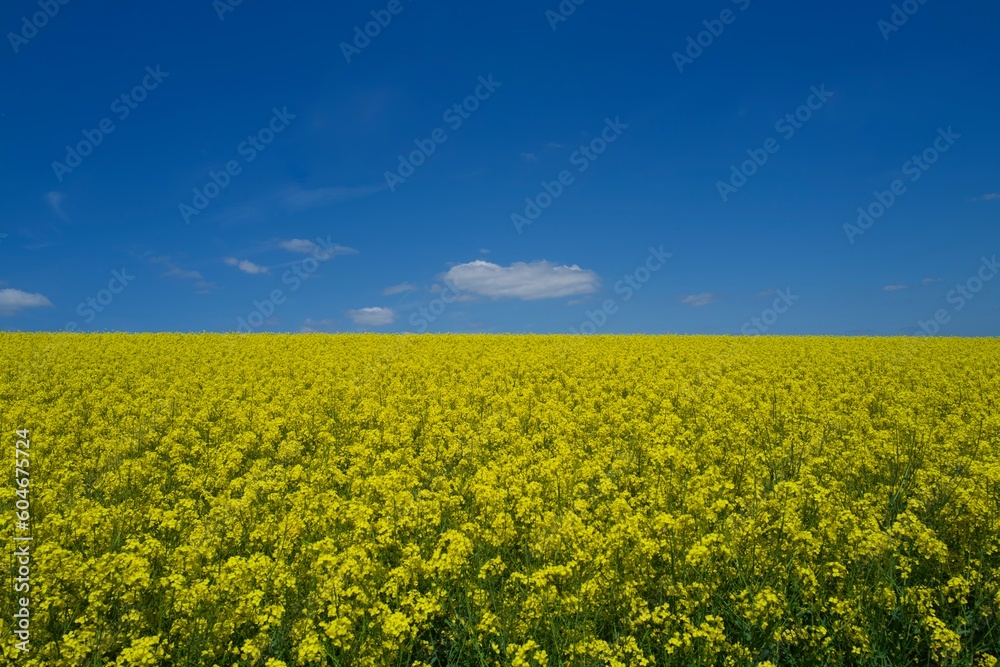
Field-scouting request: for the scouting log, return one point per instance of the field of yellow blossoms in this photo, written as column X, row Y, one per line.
column 270, row 500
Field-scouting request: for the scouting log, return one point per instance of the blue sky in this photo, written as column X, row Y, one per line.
column 485, row 167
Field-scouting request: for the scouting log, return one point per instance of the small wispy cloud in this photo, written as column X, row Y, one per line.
column 930, row 281
column 307, row 247
column 895, row 288
column 700, row 299
column 765, row 293
column 484, row 251
column 55, row 200
column 14, row 300
column 529, row 157
column 299, row 199
column 290, row 198
column 245, row 265
column 991, row 196
column 311, row 325
column 372, row 317
column 398, row 289
column 173, row 271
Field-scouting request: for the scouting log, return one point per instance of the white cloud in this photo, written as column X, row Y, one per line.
column 894, row 288
column 372, row 317
column 13, row 300
column 437, row 288
column 398, row 289
column 702, row 299
column 930, row 281
column 484, row 251
column 990, row 196
column 245, row 265
column 529, row 157
column 528, row 281
column 298, row 245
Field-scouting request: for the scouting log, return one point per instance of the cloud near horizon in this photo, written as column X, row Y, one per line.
column 372, row 317
column 14, row 300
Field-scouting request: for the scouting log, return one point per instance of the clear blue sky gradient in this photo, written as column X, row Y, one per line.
column 208, row 84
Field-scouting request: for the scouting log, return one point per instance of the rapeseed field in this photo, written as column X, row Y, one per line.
column 278, row 500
